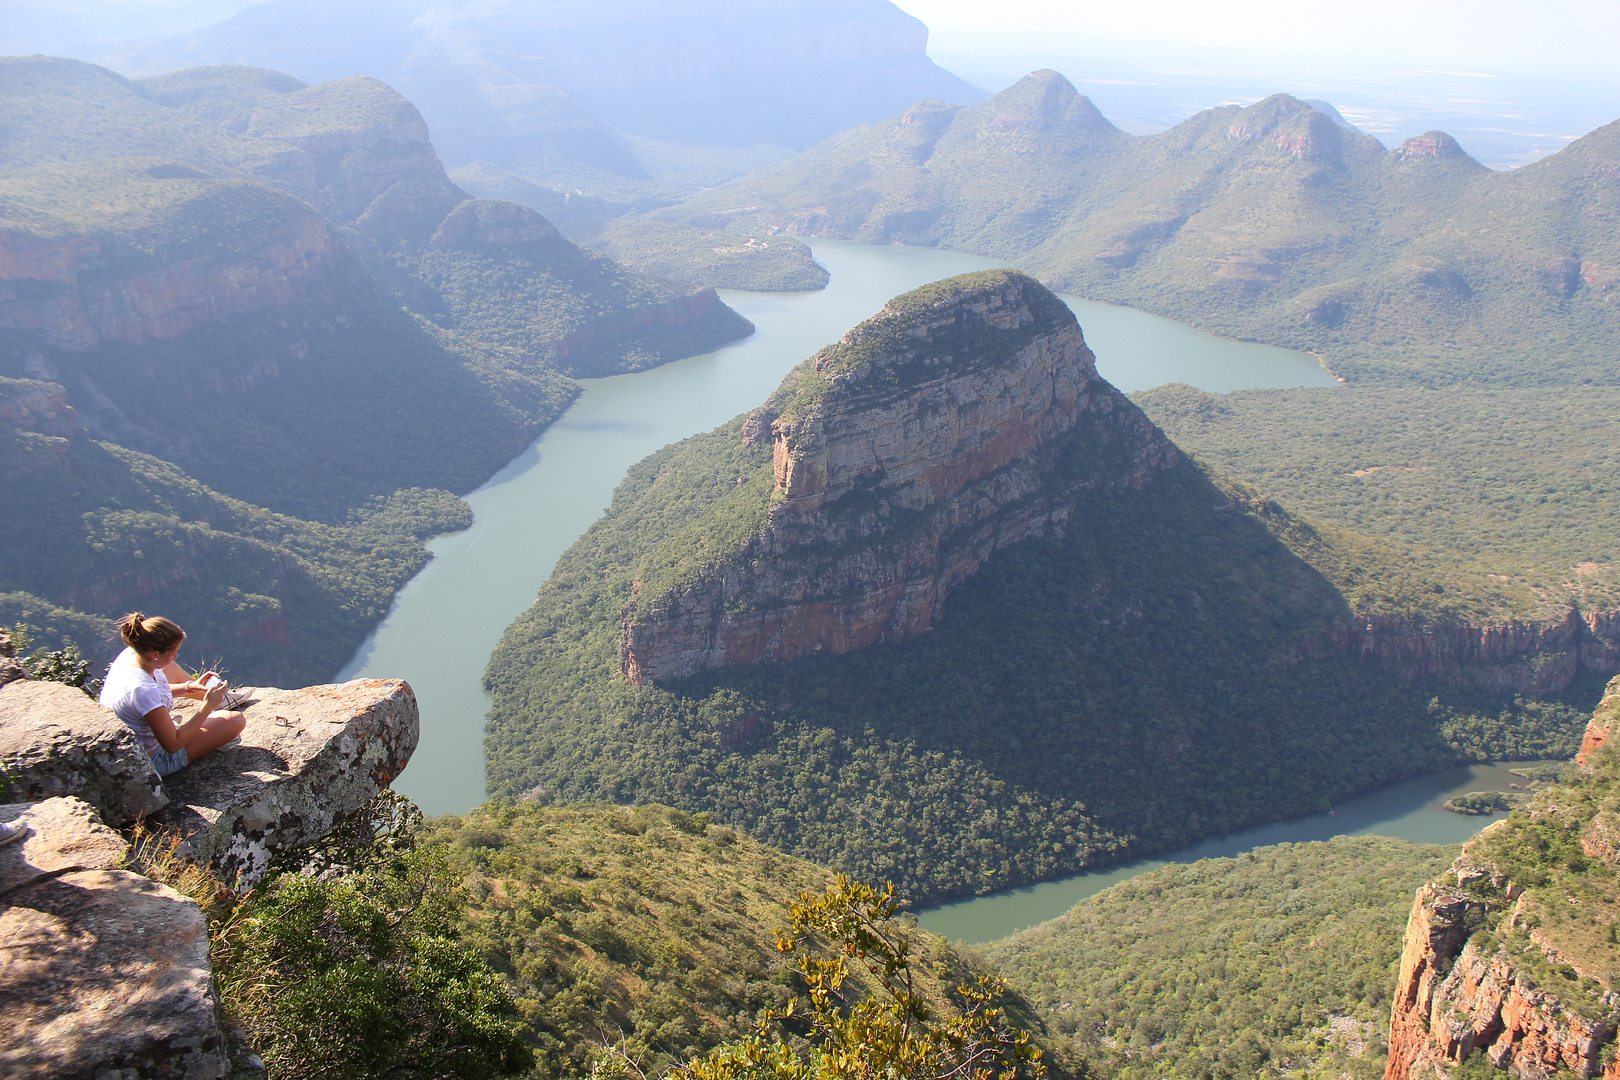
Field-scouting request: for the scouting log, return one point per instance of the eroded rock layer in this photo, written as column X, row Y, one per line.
column 1509, row 955
column 903, row 456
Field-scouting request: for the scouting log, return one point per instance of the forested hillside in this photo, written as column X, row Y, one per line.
column 270, row 297
column 647, row 931
column 1277, row 962
column 1181, row 658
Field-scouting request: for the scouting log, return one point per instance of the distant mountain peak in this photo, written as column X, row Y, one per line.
column 1433, row 144
column 1326, row 109
column 1293, row 126
column 1045, row 101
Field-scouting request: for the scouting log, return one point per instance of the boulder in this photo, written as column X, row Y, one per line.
column 306, row 760
column 54, row 740
column 103, row 973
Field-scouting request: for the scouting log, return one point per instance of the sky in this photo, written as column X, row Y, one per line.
column 1517, row 37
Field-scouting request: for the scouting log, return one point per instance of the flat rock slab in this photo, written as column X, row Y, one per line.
column 290, row 781
column 61, row 834
column 103, row 973
column 54, row 740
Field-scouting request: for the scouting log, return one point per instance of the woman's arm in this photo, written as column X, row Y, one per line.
column 173, row 738
column 182, row 684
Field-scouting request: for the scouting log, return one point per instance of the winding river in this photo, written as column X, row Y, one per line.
column 447, row 620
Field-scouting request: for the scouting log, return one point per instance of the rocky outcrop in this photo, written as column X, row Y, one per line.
column 80, row 291
column 902, row 457
column 1474, row 973
column 55, row 740
column 1605, row 720
column 306, row 759
column 1432, row 144
column 103, row 973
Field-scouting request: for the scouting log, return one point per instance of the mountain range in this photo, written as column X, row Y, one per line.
column 1275, row 222
column 230, row 281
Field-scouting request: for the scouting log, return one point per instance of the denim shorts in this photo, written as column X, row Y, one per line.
column 168, row 763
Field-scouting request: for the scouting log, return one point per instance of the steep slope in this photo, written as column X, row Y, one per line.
column 949, row 610
column 1510, row 955
column 360, row 154
column 228, row 328
column 646, row 930
column 994, row 179
column 1278, row 961
column 1269, row 222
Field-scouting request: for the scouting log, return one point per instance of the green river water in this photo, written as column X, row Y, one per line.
column 448, row 619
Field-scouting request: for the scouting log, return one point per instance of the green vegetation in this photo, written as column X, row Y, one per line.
column 280, row 598
column 895, row 1034
column 1128, row 687
column 552, row 942
column 1561, row 850
column 261, row 475
column 1279, row 962
column 1519, row 483
column 764, row 263
column 359, row 972
column 576, row 310
column 1484, row 802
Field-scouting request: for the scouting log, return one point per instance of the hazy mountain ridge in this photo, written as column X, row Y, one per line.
column 1271, row 222
column 626, row 98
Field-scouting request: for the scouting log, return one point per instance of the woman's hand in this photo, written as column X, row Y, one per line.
column 212, row 698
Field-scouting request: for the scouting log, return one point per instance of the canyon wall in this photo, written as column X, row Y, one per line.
column 1500, row 956
column 902, row 457
column 79, row 291
column 1530, row 657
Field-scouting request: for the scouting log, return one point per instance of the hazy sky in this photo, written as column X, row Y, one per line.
column 1545, row 37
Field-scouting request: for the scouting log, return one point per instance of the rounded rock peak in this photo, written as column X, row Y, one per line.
column 968, row 320
column 491, row 222
column 1432, row 144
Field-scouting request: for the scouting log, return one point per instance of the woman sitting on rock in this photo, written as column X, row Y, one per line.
column 141, row 686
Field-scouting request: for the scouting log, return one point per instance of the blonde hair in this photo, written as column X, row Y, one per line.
column 149, row 633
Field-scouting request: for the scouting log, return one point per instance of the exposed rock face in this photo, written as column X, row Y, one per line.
column 1432, row 144
column 1529, row 657
column 1604, row 722
column 54, row 740
column 286, row 785
column 103, row 973
column 70, row 292
column 903, row 457
column 1452, row 999
column 1458, row 993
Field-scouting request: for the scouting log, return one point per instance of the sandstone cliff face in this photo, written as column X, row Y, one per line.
column 903, row 458
column 1491, row 966
column 1528, row 657
column 78, row 292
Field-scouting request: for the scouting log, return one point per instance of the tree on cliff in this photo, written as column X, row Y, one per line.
column 893, row 1034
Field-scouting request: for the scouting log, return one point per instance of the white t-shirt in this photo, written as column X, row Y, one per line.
column 131, row 693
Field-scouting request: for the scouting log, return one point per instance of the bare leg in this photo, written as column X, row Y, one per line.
column 216, row 731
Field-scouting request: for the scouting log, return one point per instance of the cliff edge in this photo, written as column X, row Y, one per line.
column 902, row 456
column 1513, row 952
